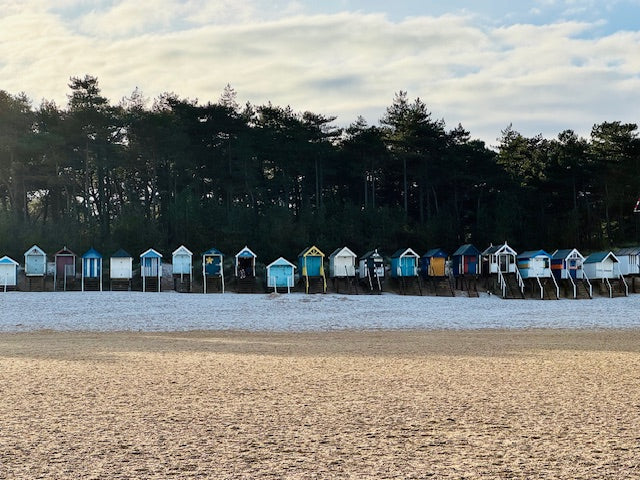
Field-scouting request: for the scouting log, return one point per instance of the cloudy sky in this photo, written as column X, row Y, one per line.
column 542, row 65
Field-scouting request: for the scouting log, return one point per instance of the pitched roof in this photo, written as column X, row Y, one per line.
column 596, row 257
column 213, row 251
column 92, row 253
column 343, row 251
column 435, row 252
column 151, row 253
column 246, row 252
column 492, row 249
column 182, row 250
column 404, row 252
column 371, row 254
column 121, row 254
column 466, row 249
column 564, row 253
column 35, row 250
column 8, row 261
column 628, row 251
column 312, row 251
column 533, row 253
column 281, row 261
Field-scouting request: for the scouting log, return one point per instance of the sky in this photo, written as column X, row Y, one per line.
column 542, row 66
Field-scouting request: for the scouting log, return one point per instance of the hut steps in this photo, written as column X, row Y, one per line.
column 246, row 285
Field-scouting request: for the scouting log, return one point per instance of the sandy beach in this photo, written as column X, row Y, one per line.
column 385, row 404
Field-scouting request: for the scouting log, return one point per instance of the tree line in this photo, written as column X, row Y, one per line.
column 141, row 174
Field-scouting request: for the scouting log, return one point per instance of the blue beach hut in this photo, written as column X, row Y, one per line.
column 212, row 270
column 280, row 274
column 466, row 261
column 311, row 268
column 92, row 270
column 8, row 273
column 404, row 263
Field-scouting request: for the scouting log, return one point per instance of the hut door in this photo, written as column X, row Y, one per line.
column 503, row 261
column 470, row 265
column 573, row 268
column 407, row 266
column 150, row 267
column 280, row 277
column 36, row 265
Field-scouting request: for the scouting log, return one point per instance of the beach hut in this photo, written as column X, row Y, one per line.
column 35, row 262
column 466, row 261
column 499, row 267
column 64, row 274
column 404, row 263
column 465, row 266
column 151, row 270
column 404, row 270
column 8, row 274
column 371, row 270
column 280, row 275
column 535, row 269
column 567, row 263
column 92, row 270
column 245, row 270
column 566, row 267
column 311, row 268
column 120, row 270
column 213, row 271
column 342, row 270
column 629, row 259
column 435, row 271
column 605, row 268
column 499, row 259
column 433, row 263
column 182, row 268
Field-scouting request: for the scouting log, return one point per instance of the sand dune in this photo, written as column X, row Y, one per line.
column 466, row 404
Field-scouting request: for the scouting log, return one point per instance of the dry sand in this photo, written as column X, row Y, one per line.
column 481, row 404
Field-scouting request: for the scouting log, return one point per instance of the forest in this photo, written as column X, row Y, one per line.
column 171, row 171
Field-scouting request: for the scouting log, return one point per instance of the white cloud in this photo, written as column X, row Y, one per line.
column 540, row 78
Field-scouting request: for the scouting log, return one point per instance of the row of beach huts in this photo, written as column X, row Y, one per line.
column 498, row 269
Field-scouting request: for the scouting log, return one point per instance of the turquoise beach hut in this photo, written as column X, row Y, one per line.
column 280, row 274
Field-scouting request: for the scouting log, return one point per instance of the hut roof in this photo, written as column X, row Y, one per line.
column 8, row 261
column 371, row 254
column 182, row 250
column 435, row 252
column 534, row 253
column 151, row 253
column 281, row 261
column 504, row 248
column 596, row 257
column 65, row 252
column 466, row 249
column 35, row 250
column 343, row 252
column 627, row 251
column 564, row 253
column 121, row 254
column 213, row 251
column 312, row 251
column 404, row 253
column 246, row 252
column 92, row 253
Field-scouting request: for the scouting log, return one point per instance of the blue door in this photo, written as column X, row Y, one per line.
column 212, row 265
column 280, row 275
column 407, row 265
column 573, row 268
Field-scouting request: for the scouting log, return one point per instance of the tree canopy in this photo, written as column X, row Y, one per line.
column 139, row 174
